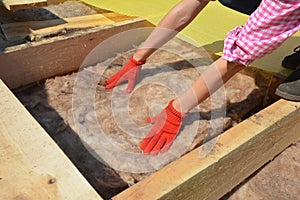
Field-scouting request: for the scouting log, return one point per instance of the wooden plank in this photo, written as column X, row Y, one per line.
column 20, row 30
column 116, row 17
column 32, row 165
column 238, row 153
column 22, row 4
column 28, row 63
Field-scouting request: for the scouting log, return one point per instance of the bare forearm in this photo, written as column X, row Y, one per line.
column 182, row 14
column 176, row 20
column 210, row 80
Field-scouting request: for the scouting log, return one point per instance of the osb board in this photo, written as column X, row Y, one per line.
column 22, row 4
column 32, row 165
column 74, row 105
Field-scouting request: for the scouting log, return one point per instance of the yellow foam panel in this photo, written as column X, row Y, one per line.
column 208, row 30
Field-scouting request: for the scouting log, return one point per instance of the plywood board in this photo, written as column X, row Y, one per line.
column 22, row 4
column 32, row 165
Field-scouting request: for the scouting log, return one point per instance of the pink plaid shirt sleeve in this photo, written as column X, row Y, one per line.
column 266, row 29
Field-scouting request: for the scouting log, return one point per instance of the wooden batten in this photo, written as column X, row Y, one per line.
column 32, row 164
column 238, row 153
column 20, row 30
column 27, row 63
column 22, row 4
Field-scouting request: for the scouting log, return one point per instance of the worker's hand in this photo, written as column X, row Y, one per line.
column 166, row 127
column 129, row 73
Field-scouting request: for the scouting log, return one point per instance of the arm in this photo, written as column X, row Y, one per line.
column 210, row 80
column 176, row 19
column 167, row 124
column 262, row 34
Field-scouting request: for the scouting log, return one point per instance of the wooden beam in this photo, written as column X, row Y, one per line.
column 19, row 30
column 116, row 17
column 32, row 165
column 27, row 63
column 22, row 4
column 238, row 153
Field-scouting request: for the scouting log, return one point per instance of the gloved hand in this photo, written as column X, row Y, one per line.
column 166, row 127
column 128, row 73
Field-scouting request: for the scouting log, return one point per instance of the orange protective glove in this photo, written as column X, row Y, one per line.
column 128, row 73
column 166, row 126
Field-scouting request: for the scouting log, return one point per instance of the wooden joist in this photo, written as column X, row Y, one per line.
column 20, row 30
column 28, row 63
column 238, row 153
column 32, row 165
column 22, row 4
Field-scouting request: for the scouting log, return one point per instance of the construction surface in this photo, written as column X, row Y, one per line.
column 50, row 102
column 53, row 104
